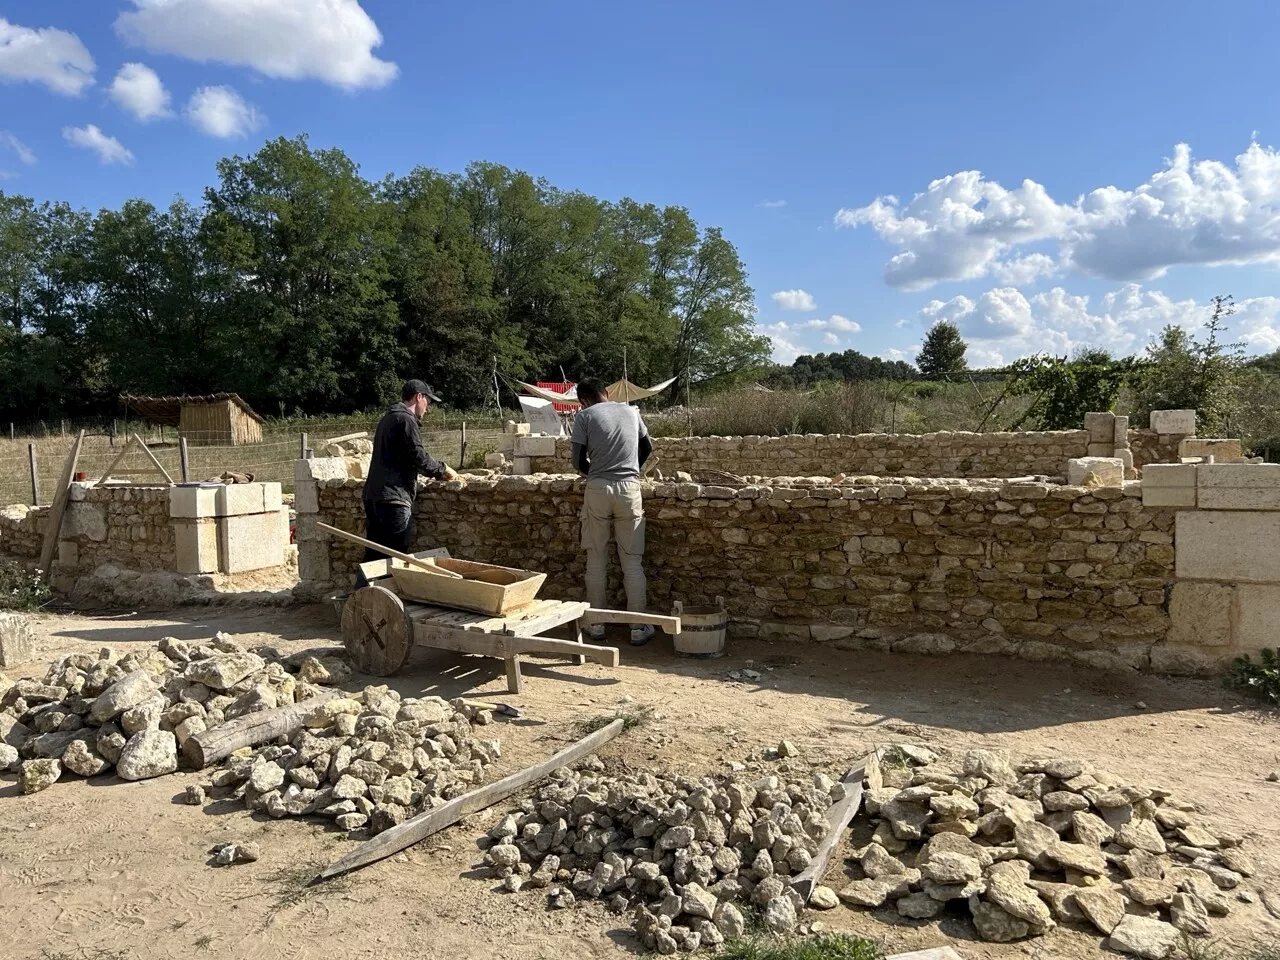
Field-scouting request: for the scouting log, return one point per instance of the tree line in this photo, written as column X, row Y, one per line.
column 307, row 288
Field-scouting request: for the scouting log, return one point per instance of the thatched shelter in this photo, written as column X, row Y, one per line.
column 216, row 420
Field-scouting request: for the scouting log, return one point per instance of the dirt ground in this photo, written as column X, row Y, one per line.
column 105, row 869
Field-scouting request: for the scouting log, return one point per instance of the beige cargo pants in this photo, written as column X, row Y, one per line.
column 614, row 506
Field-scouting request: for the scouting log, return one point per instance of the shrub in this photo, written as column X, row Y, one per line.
column 22, row 590
column 1261, row 679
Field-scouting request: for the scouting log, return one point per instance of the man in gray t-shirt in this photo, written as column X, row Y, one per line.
column 610, row 444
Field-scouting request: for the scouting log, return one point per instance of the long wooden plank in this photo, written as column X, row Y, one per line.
column 433, row 821
column 548, row 621
column 485, row 644
column 58, row 508
column 223, row 740
column 152, row 457
column 408, row 558
column 838, row 819
column 934, row 953
column 377, row 569
column 669, row 625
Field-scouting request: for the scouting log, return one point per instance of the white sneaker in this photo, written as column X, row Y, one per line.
column 595, row 632
column 641, row 635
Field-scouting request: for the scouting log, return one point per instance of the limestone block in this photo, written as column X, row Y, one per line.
column 305, row 492
column 1104, row 448
column 313, row 561
column 79, row 490
column 272, row 497
column 250, row 542
column 535, row 446
column 1228, row 545
column 1200, row 613
column 1166, row 496
column 85, row 520
column 192, row 502
column 522, row 466
column 17, row 641
column 1121, row 432
column 1238, row 486
column 516, row 429
column 507, row 444
column 196, row 545
column 495, row 461
column 1257, row 616
column 1125, row 456
column 1095, row 472
column 238, row 499
column 68, row 555
column 1220, row 448
column 1101, row 428
column 321, row 468
column 1168, row 475
column 1181, row 422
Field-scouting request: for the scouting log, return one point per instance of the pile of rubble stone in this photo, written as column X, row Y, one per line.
column 1025, row 848
column 1017, row 849
column 684, row 852
column 366, row 759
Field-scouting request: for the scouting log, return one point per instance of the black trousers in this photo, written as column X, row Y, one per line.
column 388, row 524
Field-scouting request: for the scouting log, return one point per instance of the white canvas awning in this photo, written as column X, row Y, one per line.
column 624, row 391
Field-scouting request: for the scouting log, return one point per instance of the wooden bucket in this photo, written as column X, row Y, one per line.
column 485, row 588
column 702, row 630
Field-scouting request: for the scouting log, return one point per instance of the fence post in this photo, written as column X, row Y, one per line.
column 35, row 477
column 302, row 446
column 182, row 459
column 462, row 452
column 10, row 429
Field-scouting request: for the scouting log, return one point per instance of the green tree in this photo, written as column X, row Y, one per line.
column 1066, row 389
column 942, row 353
column 1186, row 372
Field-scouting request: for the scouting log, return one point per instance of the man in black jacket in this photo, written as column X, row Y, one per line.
column 398, row 459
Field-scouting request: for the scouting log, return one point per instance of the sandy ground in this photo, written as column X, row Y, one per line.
column 103, row 869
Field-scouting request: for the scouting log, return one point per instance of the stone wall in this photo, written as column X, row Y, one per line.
column 875, row 454
column 126, row 526
column 1031, row 569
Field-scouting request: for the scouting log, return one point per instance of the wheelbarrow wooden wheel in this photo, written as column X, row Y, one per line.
column 376, row 631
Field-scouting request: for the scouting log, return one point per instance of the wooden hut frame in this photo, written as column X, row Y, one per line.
column 218, row 419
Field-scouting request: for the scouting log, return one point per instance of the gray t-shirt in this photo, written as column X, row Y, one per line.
column 611, row 433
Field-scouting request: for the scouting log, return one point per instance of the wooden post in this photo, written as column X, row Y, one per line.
column 184, row 460
column 462, row 452
column 35, row 476
column 56, row 509
column 112, row 435
column 10, row 429
column 302, row 446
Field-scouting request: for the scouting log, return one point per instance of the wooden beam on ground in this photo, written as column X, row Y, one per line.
column 58, row 508
column 933, row 953
column 225, row 739
column 433, row 821
column 838, row 819
column 595, row 615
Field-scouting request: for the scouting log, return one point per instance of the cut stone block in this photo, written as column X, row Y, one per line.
column 535, row 447
column 1101, row 427
column 1174, row 421
column 192, row 502
column 1238, row 486
column 1166, row 496
column 1121, row 433
column 522, row 466
column 495, row 461
column 196, row 545
column 321, row 468
column 17, row 641
column 1125, row 456
column 239, row 499
column 1103, row 448
column 1095, row 472
column 507, row 444
column 516, row 429
column 68, row 555
column 86, row 520
column 1169, row 475
column 306, row 498
column 1200, row 613
column 251, row 542
column 1258, row 613
column 1221, row 449
column 313, row 561
column 1239, row 498
column 272, row 497
column 1228, row 545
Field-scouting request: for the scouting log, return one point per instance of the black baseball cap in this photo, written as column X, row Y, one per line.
column 414, row 387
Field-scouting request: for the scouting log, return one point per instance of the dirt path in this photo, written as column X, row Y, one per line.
column 113, row 870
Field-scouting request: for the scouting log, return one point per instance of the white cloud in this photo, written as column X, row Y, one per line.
column 221, row 112
column 835, row 322
column 137, row 89
column 963, row 227
column 794, row 300
column 773, row 204
column 9, row 142
column 901, row 322
column 785, row 349
column 108, row 149
column 328, row 40
column 45, row 55
column 831, row 339
column 1003, row 324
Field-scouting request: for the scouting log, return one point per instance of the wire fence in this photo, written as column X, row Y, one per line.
column 271, row 460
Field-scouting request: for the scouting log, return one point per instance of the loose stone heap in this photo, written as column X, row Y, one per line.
column 1046, row 842
column 682, row 852
column 367, row 759
column 93, row 712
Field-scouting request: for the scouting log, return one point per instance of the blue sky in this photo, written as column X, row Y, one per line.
column 781, row 124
